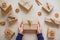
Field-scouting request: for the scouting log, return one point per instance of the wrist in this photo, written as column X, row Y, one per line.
column 39, row 32
column 20, row 32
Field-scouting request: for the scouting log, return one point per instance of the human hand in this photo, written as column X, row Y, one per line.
column 20, row 29
column 39, row 29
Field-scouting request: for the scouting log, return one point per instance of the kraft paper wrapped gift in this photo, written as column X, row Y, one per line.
column 12, row 19
column 52, row 22
column 50, row 33
column 30, row 28
column 26, row 6
column 7, row 9
column 48, row 8
column 9, row 33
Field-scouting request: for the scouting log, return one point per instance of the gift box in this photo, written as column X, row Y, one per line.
column 48, row 8
column 52, row 22
column 12, row 19
column 50, row 33
column 9, row 33
column 5, row 8
column 30, row 27
column 26, row 6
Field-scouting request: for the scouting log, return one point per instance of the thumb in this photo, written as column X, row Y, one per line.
column 38, row 24
column 21, row 24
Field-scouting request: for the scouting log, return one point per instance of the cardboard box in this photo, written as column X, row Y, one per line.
column 38, row 2
column 9, row 33
column 50, row 34
column 11, row 19
column 7, row 9
column 27, row 6
column 30, row 28
column 48, row 8
column 52, row 22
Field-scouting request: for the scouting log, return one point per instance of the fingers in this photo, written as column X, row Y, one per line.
column 21, row 25
column 18, row 28
column 39, row 29
column 38, row 24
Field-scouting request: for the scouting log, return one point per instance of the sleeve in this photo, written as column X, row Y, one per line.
column 19, row 36
column 40, row 36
